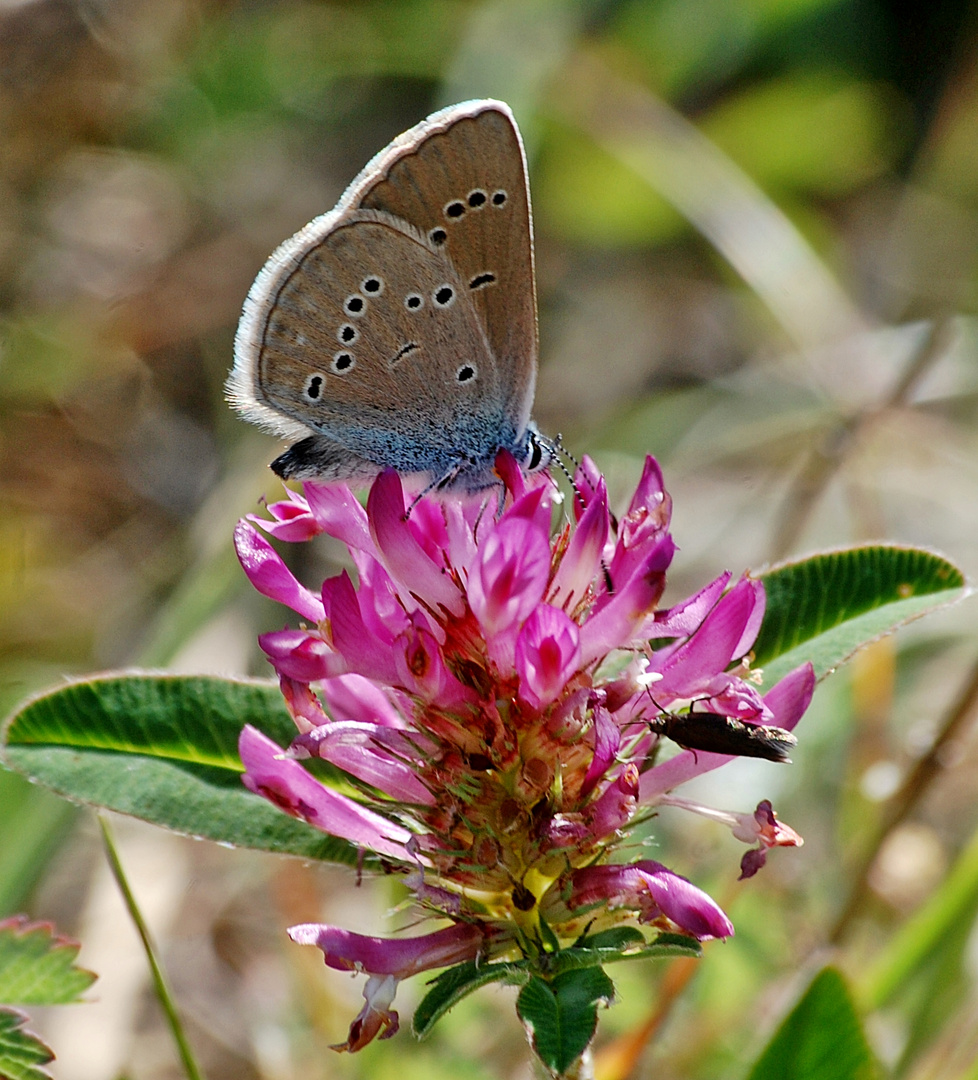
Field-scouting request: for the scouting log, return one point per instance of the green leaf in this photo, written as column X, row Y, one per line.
column 448, row 989
column 21, row 1052
column 618, row 937
column 37, row 965
column 611, row 946
column 827, row 607
column 821, row 1038
column 561, row 1014
column 164, row 749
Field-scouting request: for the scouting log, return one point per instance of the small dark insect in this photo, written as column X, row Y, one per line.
column 716, row 734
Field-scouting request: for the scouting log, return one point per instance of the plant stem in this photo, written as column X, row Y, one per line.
column 917, row 783
column 191, row 1068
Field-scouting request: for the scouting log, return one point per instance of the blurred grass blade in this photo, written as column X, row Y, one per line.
column 820, row 1039
column 33, row 824
column 510, row 49
column 953, row 905
column 727, row 207
column 826, row 607
column 164, row 749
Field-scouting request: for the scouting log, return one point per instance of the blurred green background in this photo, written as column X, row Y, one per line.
column 756, row 227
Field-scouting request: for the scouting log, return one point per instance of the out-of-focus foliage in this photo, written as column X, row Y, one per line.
column 757, row 227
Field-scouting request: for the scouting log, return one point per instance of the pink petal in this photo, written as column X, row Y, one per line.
column 383, row 608
column 410, row 566
column 685, row 617
column 650, row 493
column 301, row 655
column 421, row 670
column 690, row 669
column 652, row 889
column 789, row 698
column 754, row 619
column 646, row 522
column 363, row 651
column 509, row 576
column 363, row 751
column 376, row 1019
column 508, row 470
column 400, row 957
column 339, row 514
column 548, row 653
column 616, row 624
column 270, row 576
column 687, row 906
column 616, row 805
column 430, row 529
column 352, row 697
column 302, row 703
column 587, row 481
column 286, row 783
column 461, row 544
column 293, row 520
column 607, row 740
column 582, row 560
column 533, row 508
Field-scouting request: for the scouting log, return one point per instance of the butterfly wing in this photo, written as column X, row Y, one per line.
column 460, row 177
column 401, row 326
column 366, row 339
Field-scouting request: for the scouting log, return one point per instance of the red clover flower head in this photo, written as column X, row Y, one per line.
column 487, row 685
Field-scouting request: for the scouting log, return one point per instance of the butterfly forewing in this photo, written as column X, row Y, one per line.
column 464, row 186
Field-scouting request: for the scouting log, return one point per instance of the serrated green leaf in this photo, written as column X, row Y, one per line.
column 448, row 989
column 820, row 1039
column 21, row 1053
column 37, row 966
column 618, row 937
column 561, row 1014
column 164, row 749
column 663, row 947
column 825, row 608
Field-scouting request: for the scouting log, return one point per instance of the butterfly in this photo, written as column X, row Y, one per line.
column 400, row 329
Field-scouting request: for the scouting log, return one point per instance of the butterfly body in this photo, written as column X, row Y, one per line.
column 399, row 330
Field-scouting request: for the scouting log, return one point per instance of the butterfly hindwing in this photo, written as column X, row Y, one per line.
column 368, row 342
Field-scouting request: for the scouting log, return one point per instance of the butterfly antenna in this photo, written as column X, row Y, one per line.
column 577, row 465
column 557, row 448
column 567, row 454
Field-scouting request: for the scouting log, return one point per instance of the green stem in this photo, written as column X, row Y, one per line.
column 191, row 1068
